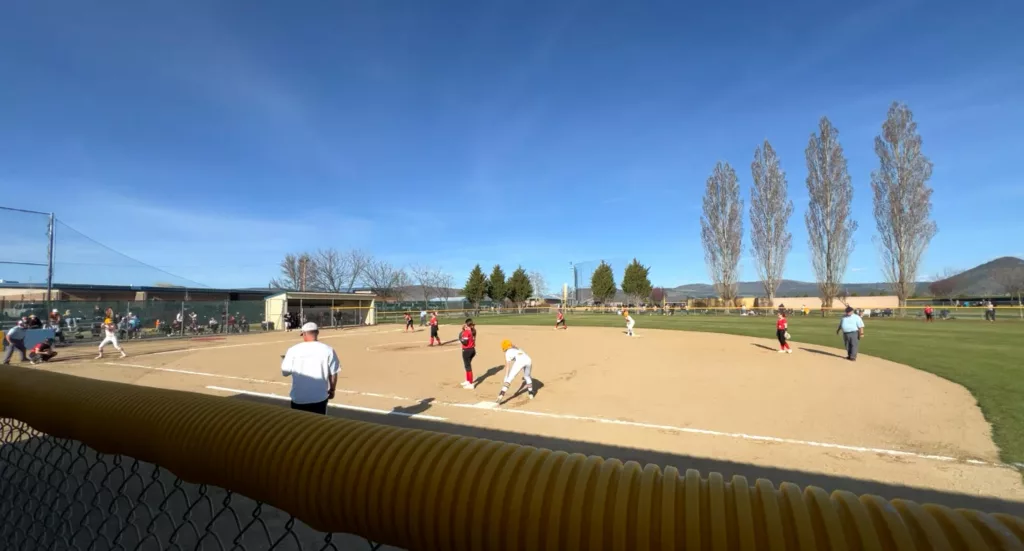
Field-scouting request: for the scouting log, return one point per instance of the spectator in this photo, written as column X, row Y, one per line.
column 34, row 322
column 313, row 367
column 15, row 341
column 852, row 328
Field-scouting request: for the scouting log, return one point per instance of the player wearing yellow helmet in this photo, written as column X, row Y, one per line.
column 516, row 361
column 629, row 322
column 110, row 337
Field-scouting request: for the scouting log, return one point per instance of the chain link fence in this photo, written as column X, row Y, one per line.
column 58, row 494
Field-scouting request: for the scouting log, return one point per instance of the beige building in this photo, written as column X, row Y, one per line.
column 814, row 303
column 325, row 309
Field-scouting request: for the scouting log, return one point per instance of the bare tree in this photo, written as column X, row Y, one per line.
column 903, row 200
column 829, row 226
column 356, row 261
column 386, row 281
column 298, row 273
column 721, row 229
column 770, row 209
column 540, row 286
column 945, row 285
column 330, row 271
column 426, row 278
column 1012, row 281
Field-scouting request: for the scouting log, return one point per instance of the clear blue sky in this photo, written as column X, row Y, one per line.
column 211, row 137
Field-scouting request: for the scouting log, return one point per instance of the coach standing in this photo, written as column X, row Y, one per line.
column 313, row 367
column 852, row 328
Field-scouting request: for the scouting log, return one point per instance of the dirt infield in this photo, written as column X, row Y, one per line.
column 708, row 401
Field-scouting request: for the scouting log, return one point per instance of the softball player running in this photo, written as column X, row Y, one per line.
column 629, row 322
column 515, row 361
column 110, row 337
column 560, row 320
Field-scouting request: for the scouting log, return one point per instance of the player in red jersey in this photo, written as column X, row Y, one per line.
column 781, row 331
column 560, row 320
column 42, row 352
column 433, row 329
column 408, row 322
column 468, row 340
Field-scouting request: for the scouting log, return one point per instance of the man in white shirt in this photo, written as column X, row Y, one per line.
column 313, row 367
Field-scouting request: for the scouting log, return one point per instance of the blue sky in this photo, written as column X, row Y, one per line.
column 209, row 138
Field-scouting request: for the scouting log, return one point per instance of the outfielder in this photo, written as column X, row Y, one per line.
column 110, row 332
column 515, row 361
column 629, row 322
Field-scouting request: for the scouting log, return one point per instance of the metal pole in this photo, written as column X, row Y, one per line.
column 182, row 310
column 49, row 263
column 332, row 313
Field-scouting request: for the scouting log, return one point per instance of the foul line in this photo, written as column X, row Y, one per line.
column 602, row 420
column 329, row 404
column 239, row 345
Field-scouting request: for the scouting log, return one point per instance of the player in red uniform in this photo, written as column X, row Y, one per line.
column 408, row 322
column 781, row 331
column 929, row 314
column 560, row 320
column 433, row 330
column 42, row 352
column 468, row 340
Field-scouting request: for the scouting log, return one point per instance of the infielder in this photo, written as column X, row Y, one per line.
column 560, row 320
column 629, row 322
column 110, row 332
column 433, row 330
column 408, row 322
column 515, row 361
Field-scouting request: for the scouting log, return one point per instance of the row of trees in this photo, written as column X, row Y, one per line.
column 517, row 288
column 636, row 284
column 331, row 270
column 902, row 209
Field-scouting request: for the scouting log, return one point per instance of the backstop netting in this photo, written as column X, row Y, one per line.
column 24, row 256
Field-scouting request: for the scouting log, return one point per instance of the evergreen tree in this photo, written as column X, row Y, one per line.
column 497, row 288
column 476, row 287
column 635, row 283
column 602, row 284
column 519, row 288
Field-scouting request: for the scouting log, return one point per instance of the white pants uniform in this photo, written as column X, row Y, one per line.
column 525, row 368
column 629, row 326
column 112, row 340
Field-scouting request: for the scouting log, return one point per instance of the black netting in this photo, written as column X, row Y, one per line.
column 60, row 494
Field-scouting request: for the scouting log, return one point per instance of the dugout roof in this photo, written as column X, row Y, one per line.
column 322, row 297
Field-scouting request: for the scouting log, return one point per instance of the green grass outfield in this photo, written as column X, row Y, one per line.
column 986, row 358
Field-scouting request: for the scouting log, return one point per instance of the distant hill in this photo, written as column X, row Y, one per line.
column 981, row 280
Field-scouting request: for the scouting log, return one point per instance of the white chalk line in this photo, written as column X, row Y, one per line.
column 607, row 421
column 329, row 404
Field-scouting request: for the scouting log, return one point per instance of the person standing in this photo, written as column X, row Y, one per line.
column 110, row 337
column 313, row 367
column 990, row 311
column 433, row 330
column 408, row 322
column 468, row 340
column 782, row 332
column 423, row 318
column 852, row 328
column 15, row 341
column 929, row 313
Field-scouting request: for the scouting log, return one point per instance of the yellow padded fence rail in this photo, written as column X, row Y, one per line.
column 425, row 490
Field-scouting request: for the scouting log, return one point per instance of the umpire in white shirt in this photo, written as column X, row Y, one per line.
column 313, row 367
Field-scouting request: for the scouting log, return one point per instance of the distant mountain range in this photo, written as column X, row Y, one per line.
column 982, row 280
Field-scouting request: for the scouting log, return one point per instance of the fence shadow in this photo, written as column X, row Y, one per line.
column 682, row 461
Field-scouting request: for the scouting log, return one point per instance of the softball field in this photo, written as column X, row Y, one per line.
column 694, row 400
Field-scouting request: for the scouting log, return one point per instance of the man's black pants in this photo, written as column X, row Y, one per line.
column 315, row 407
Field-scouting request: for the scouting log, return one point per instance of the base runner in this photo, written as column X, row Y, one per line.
column 516, row 361
column 110, row 337
column 408, row 322
column 433, row 330
column 560, row 320
column 629, row 322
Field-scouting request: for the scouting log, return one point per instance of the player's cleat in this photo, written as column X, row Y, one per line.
column 500, row 398
column 530, row 394
column 782, row 351
column 123, row 355
column 468, row 385
column 32, row 362
column 789, row 351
